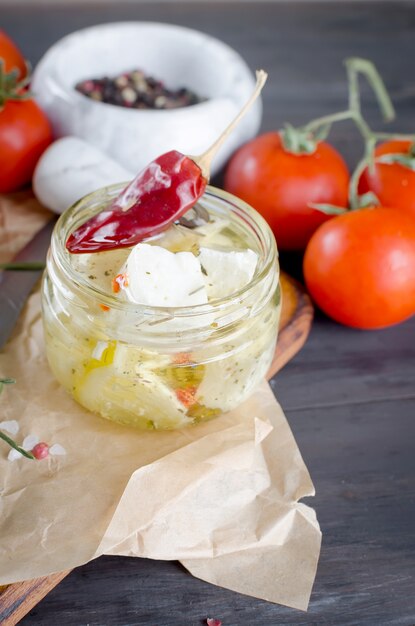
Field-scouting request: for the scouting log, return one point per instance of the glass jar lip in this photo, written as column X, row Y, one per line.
column 252, row 217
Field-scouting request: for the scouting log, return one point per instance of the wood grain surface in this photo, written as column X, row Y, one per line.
column 17, row 600
column 348, row 395
column 295, row 322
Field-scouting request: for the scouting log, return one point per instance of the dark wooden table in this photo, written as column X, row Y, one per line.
column 349, row 396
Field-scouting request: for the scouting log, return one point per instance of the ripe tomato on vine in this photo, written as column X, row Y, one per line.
column 25, row 131
column 11, row 56
column 392, row 176
column 360, row 267
column 282, row 182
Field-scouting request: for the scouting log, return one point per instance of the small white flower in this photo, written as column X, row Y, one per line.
column 10, row 426
column 14, row 455
column 30, row 442
column 57, row 450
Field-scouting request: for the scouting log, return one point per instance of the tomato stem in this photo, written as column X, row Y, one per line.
column 303, row 140
column 356, row 66
column 398, row 136
column 328, row 119
column 354, row 182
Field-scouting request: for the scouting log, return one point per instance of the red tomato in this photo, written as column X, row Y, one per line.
column 24, row 134
column 393, row 184
column 360, row 267
column 11, row 55
column 280, row 185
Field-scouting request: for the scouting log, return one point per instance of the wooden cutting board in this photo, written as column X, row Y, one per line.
column 18, row 599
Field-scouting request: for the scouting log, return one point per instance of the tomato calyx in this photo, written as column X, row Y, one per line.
column 406, row 160
column 328, row 209
column 11, row 87
column 367, row 200
column 363, row 201
column 302, row 140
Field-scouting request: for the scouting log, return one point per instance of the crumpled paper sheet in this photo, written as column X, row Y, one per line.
column 21, row 216
column 221, row 497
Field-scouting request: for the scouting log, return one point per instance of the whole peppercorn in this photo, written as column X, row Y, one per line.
column 40, row 451
column 136, row 90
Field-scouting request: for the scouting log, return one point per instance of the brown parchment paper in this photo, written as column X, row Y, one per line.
column 221, row 497
column 21, row 216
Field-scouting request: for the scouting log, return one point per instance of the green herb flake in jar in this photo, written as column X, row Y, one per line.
column 156, row 366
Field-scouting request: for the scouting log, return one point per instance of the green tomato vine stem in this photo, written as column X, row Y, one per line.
column 319, row 128
column 354, row 67
column 354, row 201
column 341, row 116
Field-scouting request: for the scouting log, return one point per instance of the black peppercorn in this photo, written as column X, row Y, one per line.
column 136, row 90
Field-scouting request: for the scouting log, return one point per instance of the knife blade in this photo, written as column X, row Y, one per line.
column 15, row 286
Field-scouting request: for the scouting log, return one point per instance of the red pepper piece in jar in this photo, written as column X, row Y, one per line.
column 159, row 195
column 186, row 395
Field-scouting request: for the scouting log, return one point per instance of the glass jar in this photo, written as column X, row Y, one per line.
column 159, row 367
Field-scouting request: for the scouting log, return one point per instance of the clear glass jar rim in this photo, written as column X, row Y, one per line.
column 263, row 232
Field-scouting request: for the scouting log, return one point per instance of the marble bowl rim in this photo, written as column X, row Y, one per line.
column 200, row 107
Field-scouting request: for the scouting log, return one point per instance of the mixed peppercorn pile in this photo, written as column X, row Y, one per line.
column 135, row 90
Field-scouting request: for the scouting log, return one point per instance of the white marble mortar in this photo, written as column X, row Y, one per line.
column 178, row 56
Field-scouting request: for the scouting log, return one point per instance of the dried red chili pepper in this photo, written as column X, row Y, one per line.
column 213, row 622
column 159, row 195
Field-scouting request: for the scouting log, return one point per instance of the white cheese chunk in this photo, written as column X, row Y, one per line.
column 148, row 399
column 227, row 272
column 158, row 277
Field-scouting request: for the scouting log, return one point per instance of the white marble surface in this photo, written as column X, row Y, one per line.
column 177, row 55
